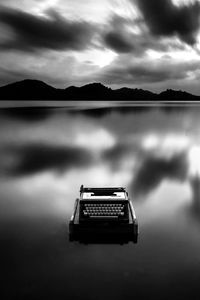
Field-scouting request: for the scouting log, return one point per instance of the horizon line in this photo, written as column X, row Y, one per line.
column 96, row 82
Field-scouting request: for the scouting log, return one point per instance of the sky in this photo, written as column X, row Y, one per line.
column 149, row 44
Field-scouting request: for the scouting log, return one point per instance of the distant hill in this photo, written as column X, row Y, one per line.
column 37, row 90
column 177, row 95
column 28, row 90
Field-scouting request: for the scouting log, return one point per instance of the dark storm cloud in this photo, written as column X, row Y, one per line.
column 119, row 37
column 119, row 42
column 31, row 32
column 34, row 158
column 126, row 42
column 163, row 18
column 116, row 36
column 154, row 169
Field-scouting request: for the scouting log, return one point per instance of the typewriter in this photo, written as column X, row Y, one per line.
column 103, row 214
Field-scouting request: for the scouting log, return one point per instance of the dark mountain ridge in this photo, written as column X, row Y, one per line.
column 38, row 90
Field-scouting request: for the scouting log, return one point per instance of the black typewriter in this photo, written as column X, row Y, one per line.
column 103, row 214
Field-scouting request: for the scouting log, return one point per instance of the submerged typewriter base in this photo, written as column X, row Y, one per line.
column 104, row 233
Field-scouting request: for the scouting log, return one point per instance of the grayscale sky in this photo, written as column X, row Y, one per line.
column 151, row 44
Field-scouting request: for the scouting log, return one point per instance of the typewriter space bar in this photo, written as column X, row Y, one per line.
column 103, row 217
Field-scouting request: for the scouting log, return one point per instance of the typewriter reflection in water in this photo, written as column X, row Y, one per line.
column 103, row 215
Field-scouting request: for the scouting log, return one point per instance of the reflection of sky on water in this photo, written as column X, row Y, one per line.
column 44, row 161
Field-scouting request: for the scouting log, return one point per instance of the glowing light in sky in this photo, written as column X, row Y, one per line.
column 44, row 5
column 125, row 8
column 100, row 58
column 154, row 54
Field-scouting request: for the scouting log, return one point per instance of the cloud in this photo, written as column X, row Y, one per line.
column 163, row 18
column 119, row 42
column 59, row 69
column 51, row 31
column 154, row 169
column 117, row 37
column 33, row 158
column 120, row 37
column 137, row 74
column 128, row 70
column 67, row 47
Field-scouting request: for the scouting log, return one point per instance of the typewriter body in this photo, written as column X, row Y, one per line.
column 103, row 215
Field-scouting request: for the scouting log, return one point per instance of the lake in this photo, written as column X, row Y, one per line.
column 47, row 153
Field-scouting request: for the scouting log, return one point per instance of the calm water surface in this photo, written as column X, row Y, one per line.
column 47, row 153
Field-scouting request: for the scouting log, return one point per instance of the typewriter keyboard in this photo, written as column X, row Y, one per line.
column 106, row 210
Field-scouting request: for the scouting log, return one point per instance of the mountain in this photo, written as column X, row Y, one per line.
column 37, row 90
column 28, row 90
column 133, row 94
column 177, row 95
column 92, row 91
